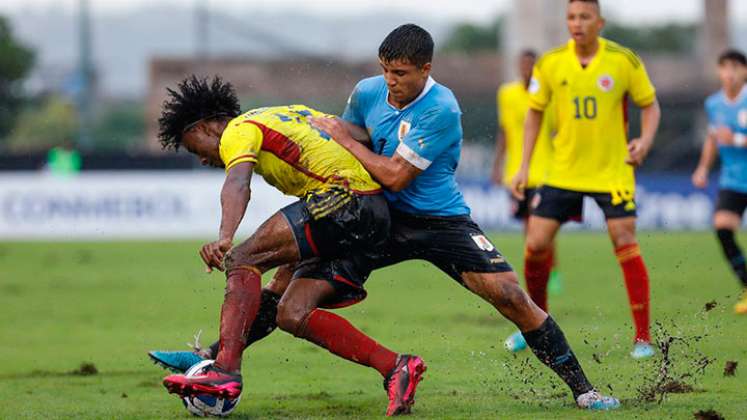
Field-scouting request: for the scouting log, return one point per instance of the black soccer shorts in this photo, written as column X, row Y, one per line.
column 564, row 205
column 733, row 201
column 521, row 209
column 454, row 244
column 335, row 222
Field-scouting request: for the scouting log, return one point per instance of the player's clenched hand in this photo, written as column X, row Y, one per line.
column 212, row 254
column 700, row 178
column 519, row 183
column 335, row 128
column 637, row 151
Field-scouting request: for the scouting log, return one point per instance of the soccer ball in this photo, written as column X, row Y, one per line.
column 204, row 405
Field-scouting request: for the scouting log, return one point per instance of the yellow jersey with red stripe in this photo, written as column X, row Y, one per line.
column 513, row 104
column 590, row 147
column 291, row 154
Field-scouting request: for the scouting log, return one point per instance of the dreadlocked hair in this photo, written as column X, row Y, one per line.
column 194, row 99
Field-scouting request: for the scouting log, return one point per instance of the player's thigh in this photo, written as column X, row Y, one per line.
column 622, row 231
column 281, row 279
column 272, row 245
column 540, row 233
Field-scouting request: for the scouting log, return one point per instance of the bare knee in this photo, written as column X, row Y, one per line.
column 509, row 294
column 537, row 244
column 622, row 239
column 291, row 317
column 502, row 290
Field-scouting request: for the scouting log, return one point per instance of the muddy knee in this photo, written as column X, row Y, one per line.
column 291, row 317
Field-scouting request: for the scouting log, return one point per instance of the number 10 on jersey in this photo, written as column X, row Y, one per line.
column 586, row 107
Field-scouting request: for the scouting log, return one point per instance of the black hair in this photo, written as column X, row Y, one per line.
column 195, row 99
column 409, row 43
column 528, row 52
column 732, row 55
column 588, row 1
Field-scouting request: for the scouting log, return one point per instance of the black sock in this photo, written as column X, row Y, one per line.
column 733, row 254
column 549, row 345
column 263, row 324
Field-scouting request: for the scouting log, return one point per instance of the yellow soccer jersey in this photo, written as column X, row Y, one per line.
column 290, row 153
column 590, row 147
column 513, row 104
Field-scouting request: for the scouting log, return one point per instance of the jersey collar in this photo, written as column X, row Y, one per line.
column 428, row 86
column 739, row 97
column 597, row 57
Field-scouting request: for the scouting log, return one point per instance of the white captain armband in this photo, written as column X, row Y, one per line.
column 415, row 159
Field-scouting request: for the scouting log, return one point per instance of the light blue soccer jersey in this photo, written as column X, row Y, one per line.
column 732, row 114
column 427, row 133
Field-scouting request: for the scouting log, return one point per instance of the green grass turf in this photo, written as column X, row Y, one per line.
column 107, row 303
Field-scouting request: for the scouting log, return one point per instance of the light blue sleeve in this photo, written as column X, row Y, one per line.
column 355, row 109
column 434, row 132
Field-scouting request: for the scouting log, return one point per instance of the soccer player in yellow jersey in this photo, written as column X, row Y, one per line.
column 513, row 104
column 590, row 81
column 341, row 210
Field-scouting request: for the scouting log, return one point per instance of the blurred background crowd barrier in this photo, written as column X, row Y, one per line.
column 82, row 81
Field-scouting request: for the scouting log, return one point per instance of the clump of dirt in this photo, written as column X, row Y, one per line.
column 708, row 415
column 731, row 368
column 674, row 368
column 675, row 387
column 710, row 306
column 124, row 395
column 85, row 369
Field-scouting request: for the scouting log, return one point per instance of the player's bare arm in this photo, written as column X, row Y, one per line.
column 393, row 173
column 234, row 199
column 707, row 158
column 500, row 156
column 531, row 131
column 638, row 148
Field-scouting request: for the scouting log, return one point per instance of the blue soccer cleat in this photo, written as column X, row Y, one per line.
column 642, row 350
column 593, row 400
column 175, row 361
column 515, row 342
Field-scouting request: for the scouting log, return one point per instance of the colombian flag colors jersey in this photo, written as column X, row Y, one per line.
column 513, row 104
column 590, row 147
column 290, row 153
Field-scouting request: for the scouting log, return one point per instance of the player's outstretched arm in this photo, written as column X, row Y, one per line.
column 393, row 173
column 500, row 156
column 638, row 148
column 532, row 125
column 707, row 158
column 234, row 198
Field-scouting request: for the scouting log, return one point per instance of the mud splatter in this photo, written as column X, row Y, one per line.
column 708, row 415
column 710, row 306
column 675, row 368
column 731, row 368
column 85, row 369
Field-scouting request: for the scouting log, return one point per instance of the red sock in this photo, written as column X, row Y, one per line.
column 337, row 335
column 636, row 281
column 537, row 266
column 240, row 306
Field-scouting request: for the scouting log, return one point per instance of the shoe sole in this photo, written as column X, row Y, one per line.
column 417, row 367
column 230, row 390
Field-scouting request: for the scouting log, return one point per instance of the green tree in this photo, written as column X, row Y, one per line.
column 468, row 37
column 119, row 126
column 42, row 127
column 16, row 61
column 671, row 38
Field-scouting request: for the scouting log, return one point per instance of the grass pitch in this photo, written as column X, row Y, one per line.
column 64, row 304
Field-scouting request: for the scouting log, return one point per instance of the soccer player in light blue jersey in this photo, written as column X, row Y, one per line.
column 727, row 138
column 413, row 148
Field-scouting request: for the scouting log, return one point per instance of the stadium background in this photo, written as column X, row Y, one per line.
column 81, row 85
